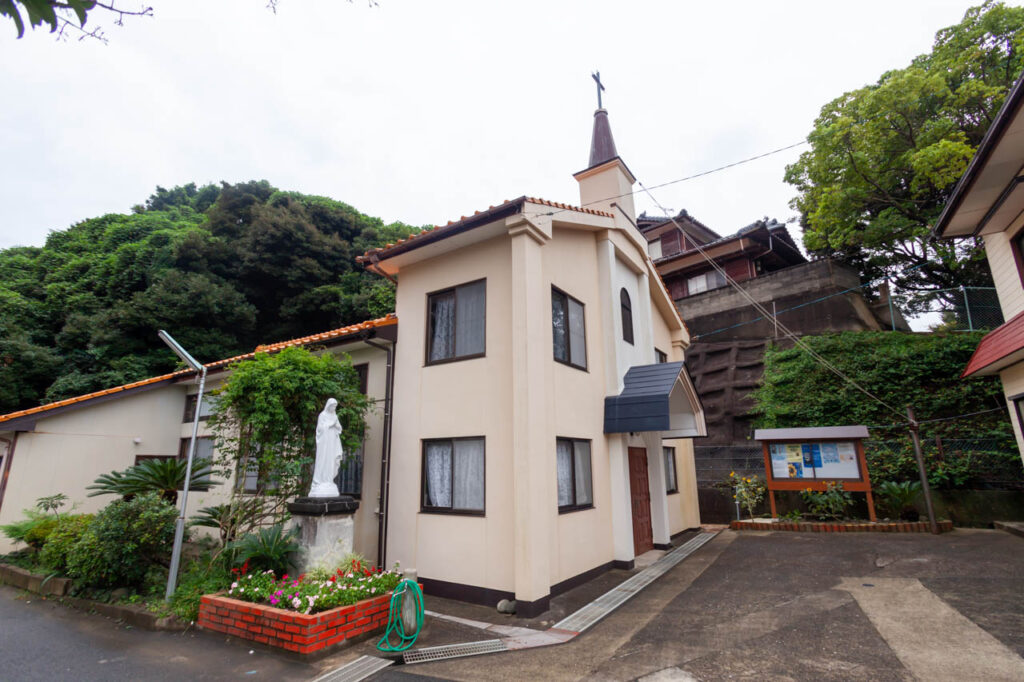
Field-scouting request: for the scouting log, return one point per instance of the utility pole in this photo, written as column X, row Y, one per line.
column 914, row 428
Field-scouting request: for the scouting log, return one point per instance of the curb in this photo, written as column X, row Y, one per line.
column 843, row 527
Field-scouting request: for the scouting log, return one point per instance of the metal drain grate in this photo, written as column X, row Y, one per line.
column 442, row 653
column 359, row 669
column 613, row 598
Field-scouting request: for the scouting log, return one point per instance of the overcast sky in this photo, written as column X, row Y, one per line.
column 422, row 111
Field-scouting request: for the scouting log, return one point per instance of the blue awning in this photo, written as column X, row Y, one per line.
column 658, row 397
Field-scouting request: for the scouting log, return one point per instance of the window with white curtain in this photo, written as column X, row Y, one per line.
column 568, row 330
column 453, row 475
column 456, row 322
column 671, row 484
column 575, row 481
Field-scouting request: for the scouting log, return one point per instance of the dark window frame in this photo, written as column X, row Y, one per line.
column 671, row 487
column 455, row 323
column 626, row 310
column 569, row 508
column 568, row 344
column 660, row 356
column 183, row 451
column 430, row 509
column 190, row 408
column 363, row 372
column 1017, row 248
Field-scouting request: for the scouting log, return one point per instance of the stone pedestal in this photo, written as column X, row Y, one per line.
column 326, row 529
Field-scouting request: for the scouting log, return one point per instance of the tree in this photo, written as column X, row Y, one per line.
column 61, row 15
column 226, row 267
column 266, row 413
column 884, row 158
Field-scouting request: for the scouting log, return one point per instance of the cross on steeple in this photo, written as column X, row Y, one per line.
column 597, row 78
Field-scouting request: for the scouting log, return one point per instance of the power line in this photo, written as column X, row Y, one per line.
column 765, row 313
column 683, row 179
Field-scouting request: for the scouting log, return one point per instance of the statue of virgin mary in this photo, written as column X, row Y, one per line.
column 328, row 452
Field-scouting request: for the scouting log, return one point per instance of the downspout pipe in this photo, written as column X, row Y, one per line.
column 385, row 451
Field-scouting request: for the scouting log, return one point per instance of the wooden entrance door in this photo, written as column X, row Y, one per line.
column 640, row 493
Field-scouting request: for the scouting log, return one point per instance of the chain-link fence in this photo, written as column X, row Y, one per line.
column 983, row 463
column 967, row 309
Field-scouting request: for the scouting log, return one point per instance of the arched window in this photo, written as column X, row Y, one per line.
column 627, row 317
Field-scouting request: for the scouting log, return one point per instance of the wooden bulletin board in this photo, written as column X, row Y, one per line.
column 799, row 462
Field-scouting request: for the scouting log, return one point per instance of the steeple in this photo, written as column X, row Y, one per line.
column 602, row 144
column 606, row 183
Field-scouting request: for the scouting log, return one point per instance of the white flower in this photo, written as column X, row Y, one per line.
column 234, row 585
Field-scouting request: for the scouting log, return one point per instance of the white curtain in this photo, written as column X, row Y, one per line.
column 564, row 456
column 577, row 338
column 469, row 475
column 442, row 325
column 469, row 318
column 584, row 485
column 439, row 474
column 670, row 468
column 559, row 327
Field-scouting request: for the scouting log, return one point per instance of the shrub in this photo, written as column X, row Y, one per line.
column 54, row 554
column 748, row 491
column 898, row 498
column 201, row 577
column 125, row 540
column 830, row 504
column 268, row 549
column 164, row 476
column 31, row 530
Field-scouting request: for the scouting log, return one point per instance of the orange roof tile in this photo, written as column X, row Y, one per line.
column 342, row 332
column 452, row 225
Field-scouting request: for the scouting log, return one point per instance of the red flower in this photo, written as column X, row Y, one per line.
column 245, row 567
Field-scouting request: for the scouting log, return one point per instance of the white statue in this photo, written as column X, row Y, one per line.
column 328, row 452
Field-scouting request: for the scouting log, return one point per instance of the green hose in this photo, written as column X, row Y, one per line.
column 395, row 624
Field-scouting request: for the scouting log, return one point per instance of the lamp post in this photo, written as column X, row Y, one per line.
column 179, row 528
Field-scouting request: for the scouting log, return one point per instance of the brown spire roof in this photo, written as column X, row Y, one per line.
column 602, row 144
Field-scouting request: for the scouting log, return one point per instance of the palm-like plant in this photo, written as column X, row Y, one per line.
column 271, row 548
column 235, row 517
column 165, row 476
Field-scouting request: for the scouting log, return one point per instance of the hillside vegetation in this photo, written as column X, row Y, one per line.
column 223, row 269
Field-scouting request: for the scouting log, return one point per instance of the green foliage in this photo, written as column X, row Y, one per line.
column 240, row 514
column 884, row 158
column 830, row 504
column 51, row 503
column 124, row 542
column 50, row 12
column 164, row 476
column 223, row 268
column 267, row 549
column 748, row 491
column 898, row 498
column 69, row 530
column 30, row 530
column 203, row 576
column 922, row 370
column 266, row 413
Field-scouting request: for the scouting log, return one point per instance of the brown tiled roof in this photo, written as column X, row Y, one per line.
column 452, row 225
column 387, row 320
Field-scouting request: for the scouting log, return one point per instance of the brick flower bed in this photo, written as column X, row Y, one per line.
column 290, row 630
column 813, row 527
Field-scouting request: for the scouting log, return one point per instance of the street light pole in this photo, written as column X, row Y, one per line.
column 179, row 527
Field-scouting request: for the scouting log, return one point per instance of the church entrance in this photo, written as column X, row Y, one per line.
column 640, row 495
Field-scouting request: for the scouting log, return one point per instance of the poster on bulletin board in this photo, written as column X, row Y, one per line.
column 814, row 461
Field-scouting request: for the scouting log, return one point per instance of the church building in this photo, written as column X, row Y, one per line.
column 536, row 416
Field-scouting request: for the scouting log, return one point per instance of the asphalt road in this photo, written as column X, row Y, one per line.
column 42, row 640
column 800, row 606
column 746, row 606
